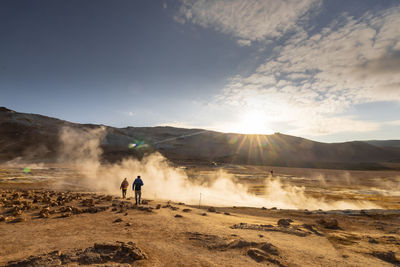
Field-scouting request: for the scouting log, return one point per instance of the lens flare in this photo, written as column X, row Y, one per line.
column 264, row 144
column 133, row 145
column 233, row 140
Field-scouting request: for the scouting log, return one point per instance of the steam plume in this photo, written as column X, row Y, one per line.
column 163, row 181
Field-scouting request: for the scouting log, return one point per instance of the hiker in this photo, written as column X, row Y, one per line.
column 137, row 187
column 124, row 187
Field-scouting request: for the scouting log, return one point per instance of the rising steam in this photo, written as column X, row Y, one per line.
column 163, row 181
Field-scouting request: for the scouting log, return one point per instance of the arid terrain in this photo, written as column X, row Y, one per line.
column 211, row 199
column 48, row 220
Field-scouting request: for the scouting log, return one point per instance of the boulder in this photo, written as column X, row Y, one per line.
column 372, row 240
column 284, row 222
column 241, row 244
column 257, row 254
column 330, row 224
column 388, row 256
column 19, row 219
column 212, row 209
column 269, row 248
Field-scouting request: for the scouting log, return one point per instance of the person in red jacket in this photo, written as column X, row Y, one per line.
column 124, row 187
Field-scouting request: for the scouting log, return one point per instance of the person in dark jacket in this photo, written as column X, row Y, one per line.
column 137, row 187
column 124, row 186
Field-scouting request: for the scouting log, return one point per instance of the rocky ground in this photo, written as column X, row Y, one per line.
column 49, row 228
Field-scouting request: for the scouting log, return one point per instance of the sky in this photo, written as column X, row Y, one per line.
column 327, row 70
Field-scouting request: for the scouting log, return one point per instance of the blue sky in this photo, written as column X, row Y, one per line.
column 324, row 70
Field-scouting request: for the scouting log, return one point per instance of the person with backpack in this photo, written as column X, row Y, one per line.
column 124, row 186
column 137, row 187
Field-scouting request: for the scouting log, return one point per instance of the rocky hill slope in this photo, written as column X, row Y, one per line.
column 37, row 137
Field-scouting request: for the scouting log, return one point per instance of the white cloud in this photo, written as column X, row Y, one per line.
column 308, row 82
column 242, row 42
column 248, row 20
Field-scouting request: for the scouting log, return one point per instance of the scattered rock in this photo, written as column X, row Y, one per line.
column 76, row 210
column 186, row 210
column 241, row 244
column 260, row 236
column 227, row 213
column 307, row 212
column 331, row 224
column 267, row 227
column 284, row 222
column 44, row 215
column 386, row 256
column 204, row 214
column 260, row 256
column 311, row 228
column 257, row 255
column 158, row 206
column 178, row 216
column 88, row 202
column 16, row 212
column 108, row 198
column 264, row 208
column 117, row 220
column 100, row 253
column 269, row 248
column 372, row 241
column 211, row 242
column 145, row 202
column 19, row 219
column 212, row 209
column 128, row 224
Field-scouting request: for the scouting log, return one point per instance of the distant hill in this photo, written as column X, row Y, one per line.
column 36, row 137
column 384, row 143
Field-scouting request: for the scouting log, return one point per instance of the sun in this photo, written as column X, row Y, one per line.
column 252, row 122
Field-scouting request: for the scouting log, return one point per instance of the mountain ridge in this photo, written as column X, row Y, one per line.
column 36, row 137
